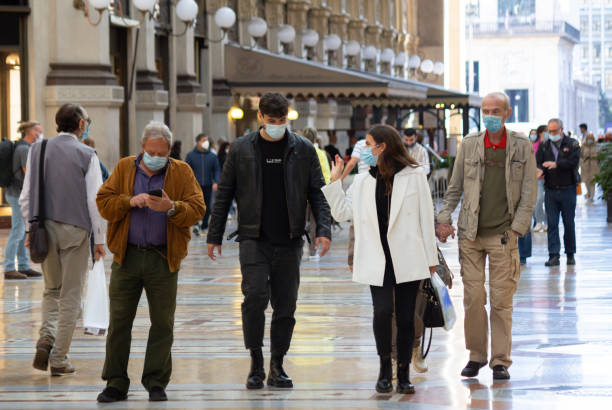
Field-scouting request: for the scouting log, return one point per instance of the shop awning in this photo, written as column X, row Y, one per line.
column 256, row 71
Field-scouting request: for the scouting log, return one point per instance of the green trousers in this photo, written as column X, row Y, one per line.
column 148, row 270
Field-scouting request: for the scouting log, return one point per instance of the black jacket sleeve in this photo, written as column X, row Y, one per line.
column 572, row 160
column 540, row 155
column 223, row 199
column 318, row 203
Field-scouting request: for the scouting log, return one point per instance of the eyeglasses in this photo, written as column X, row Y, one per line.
column 87, row 120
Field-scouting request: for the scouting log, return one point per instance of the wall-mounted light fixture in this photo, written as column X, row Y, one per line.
column 224, row 18
column 236, row 113
column 292, row 115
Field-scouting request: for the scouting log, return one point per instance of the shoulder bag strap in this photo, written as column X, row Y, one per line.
column 41, row 182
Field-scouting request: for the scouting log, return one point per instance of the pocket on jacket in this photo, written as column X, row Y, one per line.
column 517, row 168
column 470, row 169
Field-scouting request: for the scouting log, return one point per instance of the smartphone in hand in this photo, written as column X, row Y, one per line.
column 156, row 192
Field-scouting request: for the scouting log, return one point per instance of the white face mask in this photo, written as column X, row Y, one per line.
column 205, row 145
column 276, row 132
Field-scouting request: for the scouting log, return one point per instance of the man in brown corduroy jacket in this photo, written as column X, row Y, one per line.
column 150, row 202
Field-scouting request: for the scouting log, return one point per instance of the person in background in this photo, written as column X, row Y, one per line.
column 175, row 152
column 331, row 148
column 541, row 223
column 525, row 242
column 558, row 160
column 495, row 177
column 30, row 131
column 71, row 180
column 148, row 235
column 416, row 150
column 207, row 171
column 583, row 131
column 91, row 143
column 224, row 148
column 395, row 249
column 311, row 135
column 589, row 165
column 352, row 141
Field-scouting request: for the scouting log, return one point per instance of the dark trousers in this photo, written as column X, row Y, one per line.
column 383, row 299
column 561, row 201
column 269, row 273
column 148, row 270
column 207, row 190
column 525, row 245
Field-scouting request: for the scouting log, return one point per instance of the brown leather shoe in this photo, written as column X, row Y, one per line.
column 30, row 273
column 62, row 371
column 41, row 358
column 13, row 274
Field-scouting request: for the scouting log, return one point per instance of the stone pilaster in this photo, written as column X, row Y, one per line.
column 388, row 41
column 338, row 24
column 320, row 23
column 373, row 33
column 297, row 16
column 275, row 10
column 356, row 32
column 247, row 9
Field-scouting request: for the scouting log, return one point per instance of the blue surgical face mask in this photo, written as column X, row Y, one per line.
column 276, row 132
column 86, row 133
column 154, row 163
column 533, row 137
column 555, row 138
column 546, row 136
column 368, row 158
column 492, row 123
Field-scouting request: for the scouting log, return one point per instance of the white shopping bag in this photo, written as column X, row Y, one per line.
column 95, row 309
column 448, row 310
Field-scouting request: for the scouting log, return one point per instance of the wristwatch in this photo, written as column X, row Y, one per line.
column 171, row 211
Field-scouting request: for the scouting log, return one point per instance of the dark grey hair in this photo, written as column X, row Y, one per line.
column 557, row 120
column 157, row 130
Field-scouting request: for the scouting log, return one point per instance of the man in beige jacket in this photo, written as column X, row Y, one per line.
column 495, row 171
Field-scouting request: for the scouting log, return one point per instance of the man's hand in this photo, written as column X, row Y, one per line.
column 549, row 165
column 323, row 243
column 443, row 231
column 211, row 251
column 27, row 241
column 433, row 269
column 99, row 252
column 540, row 173
column 158, row 204
column 215, row 187
column 337, row 168
column 139, row 201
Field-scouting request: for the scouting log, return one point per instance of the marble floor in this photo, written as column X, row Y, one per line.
column 562, row 348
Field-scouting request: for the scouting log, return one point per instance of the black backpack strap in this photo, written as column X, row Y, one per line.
column 41, row 182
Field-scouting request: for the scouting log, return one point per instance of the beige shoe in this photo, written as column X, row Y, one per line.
column 41, row 359
column 62, row 371
column 420, row 364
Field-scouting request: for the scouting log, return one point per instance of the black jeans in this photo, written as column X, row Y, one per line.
column 405, row 298
column 207, row 190
column 561, row 201
column 269, row 273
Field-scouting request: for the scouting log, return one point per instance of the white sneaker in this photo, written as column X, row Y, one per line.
column 314, row 258
column 420, row 364
column 538, row 228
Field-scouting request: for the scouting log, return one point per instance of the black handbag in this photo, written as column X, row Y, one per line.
column 39, row 240
column 430, row 312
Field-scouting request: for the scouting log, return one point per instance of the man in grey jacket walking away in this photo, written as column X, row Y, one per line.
column 71, row 180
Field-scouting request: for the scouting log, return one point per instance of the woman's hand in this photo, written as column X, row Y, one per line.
column 337, row 168
column 432, row 270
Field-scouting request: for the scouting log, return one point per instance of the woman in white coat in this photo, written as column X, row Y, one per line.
column 395, row 245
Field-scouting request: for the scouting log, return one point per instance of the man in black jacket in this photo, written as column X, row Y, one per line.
column 558, row 159
column 272, row 173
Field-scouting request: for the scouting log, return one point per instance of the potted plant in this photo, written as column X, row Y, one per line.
column 604, row 178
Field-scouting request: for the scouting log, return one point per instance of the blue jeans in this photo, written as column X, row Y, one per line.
column 524, row 245
column 538, row 212
column 15, row 246
column 561, row 201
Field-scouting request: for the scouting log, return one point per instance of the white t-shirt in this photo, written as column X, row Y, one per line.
column 361, row 166
column 419, row 153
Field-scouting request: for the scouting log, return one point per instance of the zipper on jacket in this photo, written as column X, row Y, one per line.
column 285, row 183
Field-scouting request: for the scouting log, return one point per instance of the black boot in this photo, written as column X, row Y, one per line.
column 385, row 376
column 553, row 260
column 277, row 376
column 403, row 378
column 257, row 374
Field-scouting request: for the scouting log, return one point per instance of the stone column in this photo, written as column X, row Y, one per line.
column 338, row 24
column 373, row 31
column 326, row 114
column 247, row 9
column 275, row 11
column 297, row 16
column 80, row 72
column 150, row 95
column 221, row 124
column 388, row 41
column 213, row 64
column 307, row 113
column 190, row 100
column 319, row 15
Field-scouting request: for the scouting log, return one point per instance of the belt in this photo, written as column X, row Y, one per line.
column 145, row 248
